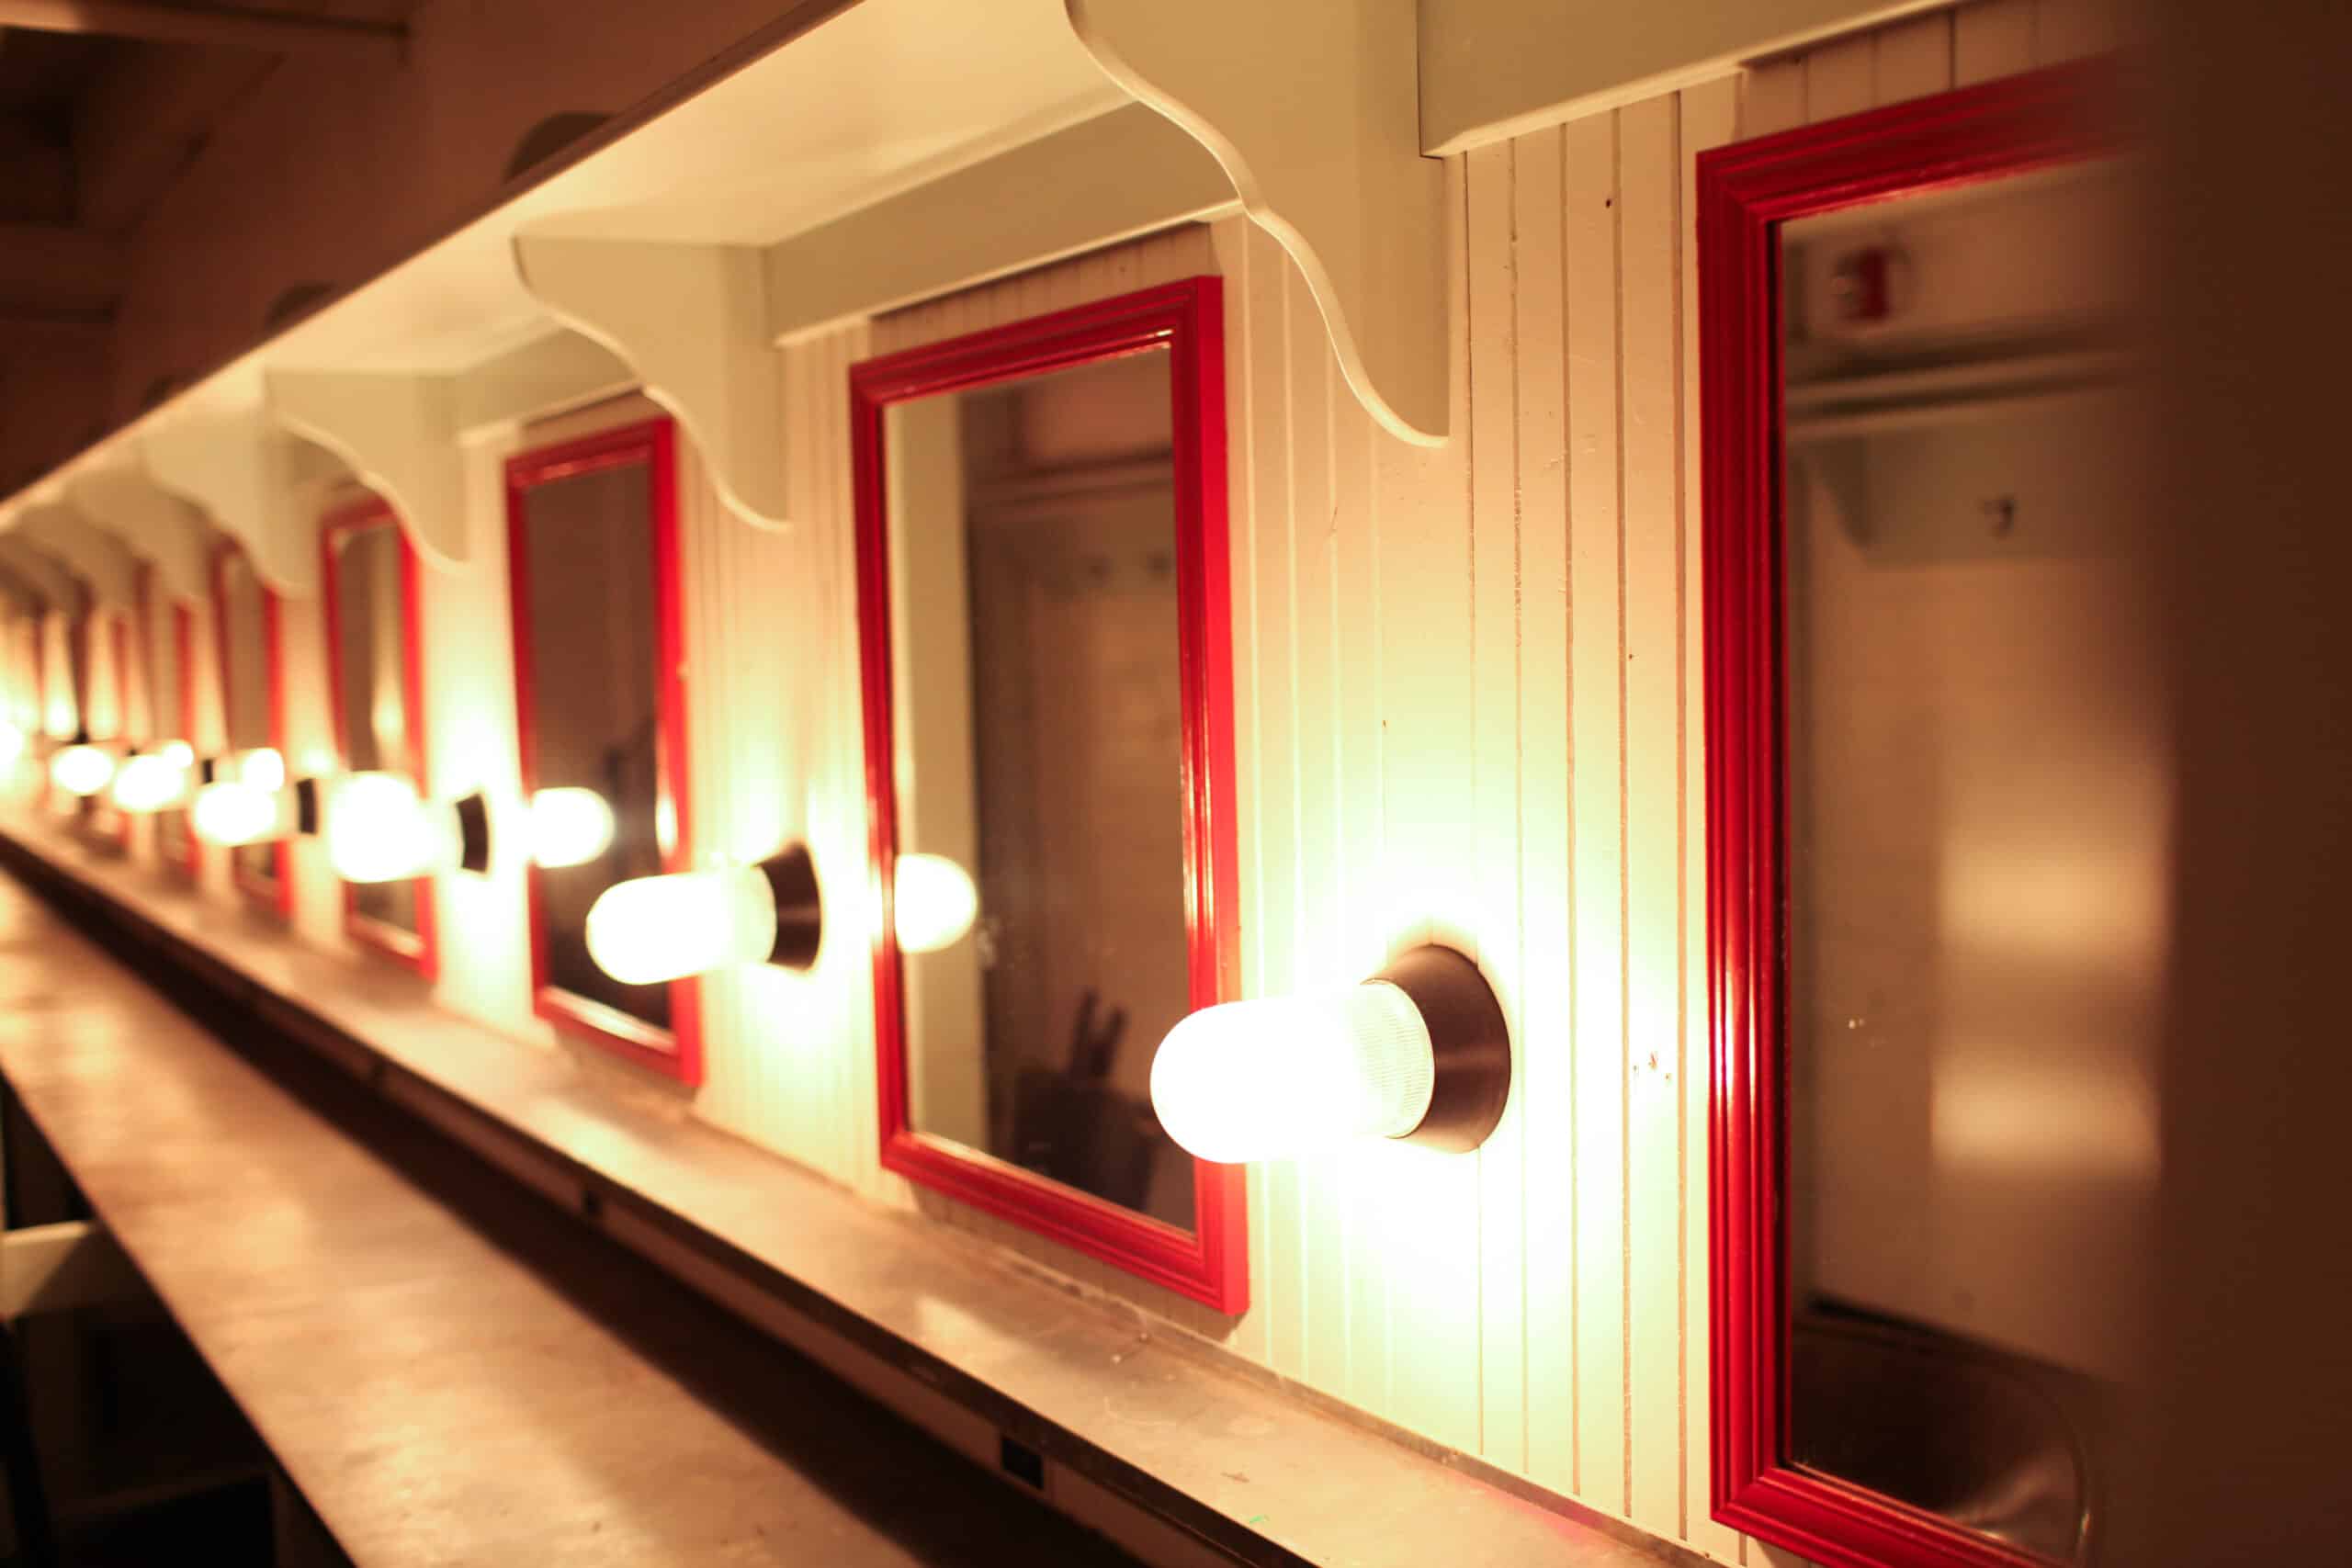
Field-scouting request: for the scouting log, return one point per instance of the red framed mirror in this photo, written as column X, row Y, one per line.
column 251, row 665
column 600, row 705
column 1928, row 720
column 1043, row 615
column 375, row 700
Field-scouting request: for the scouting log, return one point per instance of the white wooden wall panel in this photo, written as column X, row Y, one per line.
column 1467, row 707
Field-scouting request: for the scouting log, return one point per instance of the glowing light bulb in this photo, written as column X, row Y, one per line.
column 934, row 902
column 233, row 813
column 12, row 743
column 263, row 768
column 380, row 828
column 652, row 929
column 150, row 782
column 180, row 753
column 81, row 769
column 567, row 827
column 1290, row 1075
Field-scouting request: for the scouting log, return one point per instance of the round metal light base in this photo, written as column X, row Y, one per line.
column 1470, row 1040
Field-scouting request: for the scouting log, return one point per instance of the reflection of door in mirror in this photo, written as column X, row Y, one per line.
column 1970, row 839
column 592, row 553
column 245, row 615
column 1039, row 703
column 375, row 685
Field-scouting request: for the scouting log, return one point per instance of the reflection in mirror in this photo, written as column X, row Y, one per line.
column 590, row 556
column 1976, row 809
column 166, row 636
column 107, row 698
column 1037, row 699
column 246, row 616
column 369, row 579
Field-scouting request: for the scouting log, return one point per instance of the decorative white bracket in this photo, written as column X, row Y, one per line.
column 399, row 432
column 156, row 526
column 691, row 319
column 104, row 566
column 258, row 484
column 1317, row 121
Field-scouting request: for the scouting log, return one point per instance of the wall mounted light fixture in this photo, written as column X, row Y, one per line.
column 379, row 828
column 566, row 826
column 654, row 929
column 155, row 779
column 81, row 768
column 1418, row 1052
column 12, row 743
column 231, row 812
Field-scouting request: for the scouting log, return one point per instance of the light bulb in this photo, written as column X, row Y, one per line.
column 180, row 753
column 1418, row 1052
column 934, row 902
column 652, row 929
column 380, row 828
column 150, row 782
column 235, row 813
column 567, row 827
column 1290, row 1075
column 81, row 769
column 263, row 768
column 12, row 743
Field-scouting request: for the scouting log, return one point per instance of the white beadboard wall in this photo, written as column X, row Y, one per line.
column 1467, row 707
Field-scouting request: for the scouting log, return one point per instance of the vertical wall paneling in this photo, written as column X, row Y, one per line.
column 1493, row 651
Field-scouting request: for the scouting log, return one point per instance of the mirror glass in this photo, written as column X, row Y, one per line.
column 589, row 662
column 1976, row 807
column 1039, row 750
column 165, row 639
column 375, row 731
column 247, row 721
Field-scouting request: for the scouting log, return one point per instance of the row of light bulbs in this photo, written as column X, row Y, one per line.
column 1419, row 1053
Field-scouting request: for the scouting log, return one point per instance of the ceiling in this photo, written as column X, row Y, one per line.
column 104, row 104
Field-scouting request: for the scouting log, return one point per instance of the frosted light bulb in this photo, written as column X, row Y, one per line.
column 934, row 902
column 81, row 769
column 233, row 813
column 1290, row 1075
column 567, row 827
column 263, row 768
column 150, row 782
column 1418, row 1052
column 380, row 828
column 652, row 929
column 180, row 753
column 12, row 743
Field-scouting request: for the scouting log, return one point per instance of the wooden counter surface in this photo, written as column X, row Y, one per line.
column 501, row 1388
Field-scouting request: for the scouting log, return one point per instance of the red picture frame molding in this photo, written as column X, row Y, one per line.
column 1209, row 1264
column 1745, row 192
column 676, row 1052
column 278, row 894
column 419, row 950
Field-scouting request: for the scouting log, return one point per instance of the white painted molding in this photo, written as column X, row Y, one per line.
column 399, row 432
column 101, row 562
column 1110, row 178
column 1317, row 121
column 547, row 375
column 691, row 319
column 259, row 483
column 156, row 526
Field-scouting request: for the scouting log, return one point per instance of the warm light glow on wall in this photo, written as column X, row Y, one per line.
column 12, row 743
column 81, row 769
column 1418, row 1052
column 653, row 928
column 150, row 782
column 229, row 812
column 935, row 902
column 567, row 827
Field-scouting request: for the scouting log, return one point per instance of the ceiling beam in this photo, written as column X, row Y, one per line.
column 267, row 32
column 50, row 266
